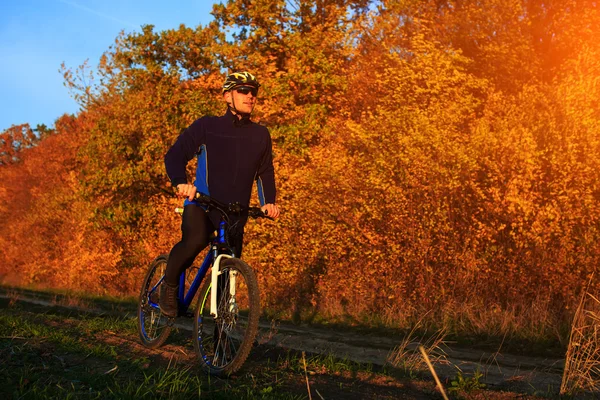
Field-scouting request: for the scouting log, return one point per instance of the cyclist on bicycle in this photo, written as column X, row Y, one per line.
column 232, row 153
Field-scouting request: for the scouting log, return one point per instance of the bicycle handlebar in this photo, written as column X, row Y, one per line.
column 232, row 208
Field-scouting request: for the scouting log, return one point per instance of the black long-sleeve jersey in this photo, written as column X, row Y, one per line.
column 232, row 153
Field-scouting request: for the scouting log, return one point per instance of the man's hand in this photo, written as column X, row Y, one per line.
column 186, row 190
column 270, row 210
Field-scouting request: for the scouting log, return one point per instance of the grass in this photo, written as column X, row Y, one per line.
column 483, row 326
column 61, row 352
column 320, row 363
column 407, row 357
column 534, row 325
column 466, row 327
column 582, row 365
column 65, row 355
column 53, row 352
column 68, row 298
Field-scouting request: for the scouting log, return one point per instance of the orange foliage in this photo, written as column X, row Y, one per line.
column 13, row 141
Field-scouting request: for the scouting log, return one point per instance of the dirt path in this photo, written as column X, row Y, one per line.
column 517, row 373
column 503, row 371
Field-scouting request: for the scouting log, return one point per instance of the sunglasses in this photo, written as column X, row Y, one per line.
column 246, row 90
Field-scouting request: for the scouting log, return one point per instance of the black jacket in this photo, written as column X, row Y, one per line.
column 231, row 153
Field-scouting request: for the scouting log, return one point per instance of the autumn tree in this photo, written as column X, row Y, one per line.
column 13, row 141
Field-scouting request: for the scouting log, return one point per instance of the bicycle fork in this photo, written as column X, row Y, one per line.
column 216, row 272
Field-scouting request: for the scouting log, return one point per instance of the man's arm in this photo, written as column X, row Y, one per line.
column 182, row 151
column 265, row 181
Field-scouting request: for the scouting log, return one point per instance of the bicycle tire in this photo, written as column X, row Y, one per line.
column 153, row 327
column 223, row 345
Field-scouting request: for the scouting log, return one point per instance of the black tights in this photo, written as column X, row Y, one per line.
column 196, row 229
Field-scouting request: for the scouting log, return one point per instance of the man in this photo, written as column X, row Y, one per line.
column 232, row 153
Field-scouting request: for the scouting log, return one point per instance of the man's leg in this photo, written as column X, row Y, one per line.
column 196, row 229
column 236, row 238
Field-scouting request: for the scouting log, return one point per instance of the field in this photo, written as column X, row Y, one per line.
column 59, row 346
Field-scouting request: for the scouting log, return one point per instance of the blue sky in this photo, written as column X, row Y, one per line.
column 36, row 36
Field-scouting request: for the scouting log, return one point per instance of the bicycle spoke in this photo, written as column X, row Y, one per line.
column 153, row 327
column 224, row 343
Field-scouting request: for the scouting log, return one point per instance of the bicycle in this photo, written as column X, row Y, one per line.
column 225, row 319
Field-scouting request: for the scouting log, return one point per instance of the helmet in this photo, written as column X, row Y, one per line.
column 240, row 78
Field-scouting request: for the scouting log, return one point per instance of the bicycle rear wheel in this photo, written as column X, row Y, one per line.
column 223, row 343
column 153, row 326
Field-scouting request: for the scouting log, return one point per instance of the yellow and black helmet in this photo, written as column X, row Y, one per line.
column 238, row 79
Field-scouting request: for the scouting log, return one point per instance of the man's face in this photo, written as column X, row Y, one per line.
column 243, row 98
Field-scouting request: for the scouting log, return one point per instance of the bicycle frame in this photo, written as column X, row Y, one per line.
column 215, row 255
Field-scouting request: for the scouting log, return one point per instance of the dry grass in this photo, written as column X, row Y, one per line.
column 582, row 363
column 528, row 319
column 534, row 320
column 435, row 377
column 72, row 301
column 407, row 355
column 13, row 297
column 266, row 335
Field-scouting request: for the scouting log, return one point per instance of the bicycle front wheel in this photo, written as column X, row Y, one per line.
column 223, row 343
column 153, row 326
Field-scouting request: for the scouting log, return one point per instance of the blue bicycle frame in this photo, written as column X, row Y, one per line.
column 218, row 247
column 213, row 253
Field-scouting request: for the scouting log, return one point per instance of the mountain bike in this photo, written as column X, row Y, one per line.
column 227, row 308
